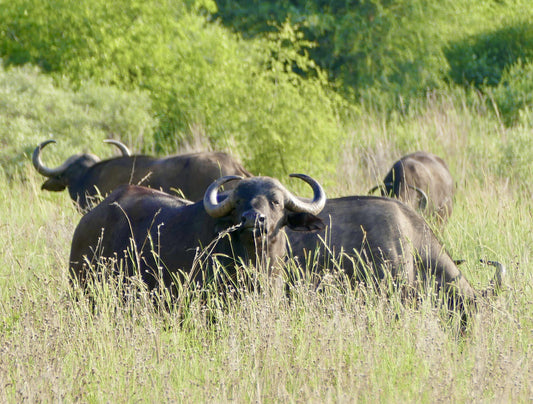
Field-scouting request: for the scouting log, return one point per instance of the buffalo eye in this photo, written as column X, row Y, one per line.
column 275, row 202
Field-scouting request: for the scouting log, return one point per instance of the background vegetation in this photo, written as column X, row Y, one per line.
column 336, row 89
column 200, row 76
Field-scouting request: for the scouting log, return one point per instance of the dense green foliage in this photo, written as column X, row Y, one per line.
column 365, row 44
column 242, row 94
column 33, row 109
column 399, row 48
column 514, row 94
column 481, row 59
column 262, row 87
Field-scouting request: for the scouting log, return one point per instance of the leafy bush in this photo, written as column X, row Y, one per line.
column 514, row 93
column 242, row 94
column 388, row 51
column 363, row 44
column 252, row 101
column 481, row 59
column 33, row 109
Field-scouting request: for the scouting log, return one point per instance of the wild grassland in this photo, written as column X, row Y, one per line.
column 340, row 345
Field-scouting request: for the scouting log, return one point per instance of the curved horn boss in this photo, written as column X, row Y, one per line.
column 121, row 146
column 40, row 167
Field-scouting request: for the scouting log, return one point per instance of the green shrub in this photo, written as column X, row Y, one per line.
column 481, row 59
column 388, row 51
column 362, row 44
column 514, row 93
column 33, row 109
column 249, row 99
column 242, row 94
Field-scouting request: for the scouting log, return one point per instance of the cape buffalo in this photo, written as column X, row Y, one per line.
column 379, row 237
column 86, row 176
column 423, row 181
column 160, row 235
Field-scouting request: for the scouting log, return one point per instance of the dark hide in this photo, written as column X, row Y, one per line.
column 85, row 177
column 389, row 237
column 176, row 231
column 428, row 173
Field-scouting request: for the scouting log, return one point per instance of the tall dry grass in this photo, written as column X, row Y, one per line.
column 339, row 345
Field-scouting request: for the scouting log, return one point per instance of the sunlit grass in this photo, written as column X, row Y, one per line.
column 338, row 343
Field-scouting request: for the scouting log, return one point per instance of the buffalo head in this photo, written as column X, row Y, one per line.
column 72, row 169
column 262, row 207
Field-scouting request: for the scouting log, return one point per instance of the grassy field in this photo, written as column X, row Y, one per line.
column 338, row 346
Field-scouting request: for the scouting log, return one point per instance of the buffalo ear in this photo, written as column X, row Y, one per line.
column 54, row 184
column 304, row 222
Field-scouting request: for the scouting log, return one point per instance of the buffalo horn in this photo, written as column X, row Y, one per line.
column 122, row 147
column 381, row 187
column 315, row 206
column 423, row 195
column 374, row 189
column 211, row 204
column 40, row 167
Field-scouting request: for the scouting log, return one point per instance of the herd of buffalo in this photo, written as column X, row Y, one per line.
column 143, row 227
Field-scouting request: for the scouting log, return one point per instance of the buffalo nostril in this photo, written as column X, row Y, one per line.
column 253, row 219
column 246, row 220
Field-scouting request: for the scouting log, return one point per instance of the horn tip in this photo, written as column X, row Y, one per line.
column 42, row 144
column 304, row 177
column 232, row 177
